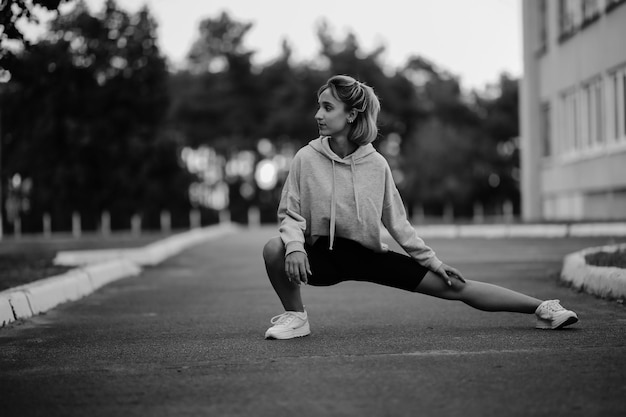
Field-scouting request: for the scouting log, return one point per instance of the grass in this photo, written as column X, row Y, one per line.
column 22, row 268
column 615, row 259
column 30, row 259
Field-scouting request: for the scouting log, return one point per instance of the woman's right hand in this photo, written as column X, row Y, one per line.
column 297, row 267
column 446, row 272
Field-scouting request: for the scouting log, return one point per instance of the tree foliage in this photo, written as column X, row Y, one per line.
column 11, row 12
column 84, row 120
column 457, row 148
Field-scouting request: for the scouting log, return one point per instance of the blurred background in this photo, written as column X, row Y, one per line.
column 137, row 116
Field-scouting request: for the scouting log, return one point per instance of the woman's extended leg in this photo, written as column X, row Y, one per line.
column 480, row 295
column 288, row 292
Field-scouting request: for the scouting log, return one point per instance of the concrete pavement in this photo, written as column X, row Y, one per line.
column 94, row 269
column 185, row 338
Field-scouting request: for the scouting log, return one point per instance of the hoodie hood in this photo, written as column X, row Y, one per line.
column 361, row 153
column 322, row 145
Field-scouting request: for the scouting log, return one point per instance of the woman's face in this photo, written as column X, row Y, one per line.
column 331, row 116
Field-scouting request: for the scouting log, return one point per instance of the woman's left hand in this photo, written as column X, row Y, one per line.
column 446, row 272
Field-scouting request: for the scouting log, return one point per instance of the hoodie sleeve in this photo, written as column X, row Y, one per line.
column 292, row 223
column 395, row 220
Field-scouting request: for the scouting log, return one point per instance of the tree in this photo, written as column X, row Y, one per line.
column 289, row 90
column 441, row 149
column 12, row 11
column 499, row 115
column 94, row 138
column 223, row 107
column 400, row 106
column 220, row 45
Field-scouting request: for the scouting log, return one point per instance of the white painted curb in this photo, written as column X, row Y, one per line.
column 437, row 231
column 151, row 254
column 95, row 269
column 46, row 294
column 605, row 282
column 491, row 231
column 6, row 310
column 18, row 303
column 103, row 273
column 597, row 229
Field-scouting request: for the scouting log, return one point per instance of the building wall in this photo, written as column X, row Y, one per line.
column 573, row 111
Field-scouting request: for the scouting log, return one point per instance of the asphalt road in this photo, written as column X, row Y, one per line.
column 186, row 339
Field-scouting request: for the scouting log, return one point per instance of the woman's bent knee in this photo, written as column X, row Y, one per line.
column 274, row 251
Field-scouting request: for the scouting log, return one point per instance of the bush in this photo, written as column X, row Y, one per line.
column 615, row 259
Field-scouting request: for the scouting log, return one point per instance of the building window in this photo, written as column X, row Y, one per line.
column 598, row 113
column 585, row 119
column 612, row 4
column 621, row 110
column 590, row 11
column 570, row 142
column 592, row 119
column 545, row 130
column 578, row 14
column 570, row 17
column 542, row 46
column 617, row 106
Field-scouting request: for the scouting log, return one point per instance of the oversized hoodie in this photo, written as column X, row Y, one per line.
column 325, row 195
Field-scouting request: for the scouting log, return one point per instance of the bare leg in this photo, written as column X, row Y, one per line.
column 480, row 295
column 289, row 293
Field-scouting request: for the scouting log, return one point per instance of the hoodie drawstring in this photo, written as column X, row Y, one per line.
column 332, row 211
column 356, row 194
column 333, row 201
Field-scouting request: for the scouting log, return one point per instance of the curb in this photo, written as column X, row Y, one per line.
column 149, row 255
column 604, row 282
column 452, row 231
column 95, row 270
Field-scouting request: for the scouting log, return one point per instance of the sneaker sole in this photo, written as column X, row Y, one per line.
column 557, row 324
column 286, row 336
column 299, row 332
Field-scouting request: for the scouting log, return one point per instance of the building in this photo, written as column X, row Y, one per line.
column 573, row 110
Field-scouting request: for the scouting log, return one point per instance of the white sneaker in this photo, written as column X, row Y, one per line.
column 551, row 315
column 288, row 325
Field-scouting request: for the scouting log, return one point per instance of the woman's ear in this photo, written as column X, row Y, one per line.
column 352, row 115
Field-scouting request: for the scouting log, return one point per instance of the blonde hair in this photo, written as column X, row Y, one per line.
column 360, row 97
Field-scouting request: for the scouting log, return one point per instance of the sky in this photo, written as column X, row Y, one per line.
column 475, row 40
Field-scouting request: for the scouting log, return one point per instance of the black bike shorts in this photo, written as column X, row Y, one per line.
column 351, row 261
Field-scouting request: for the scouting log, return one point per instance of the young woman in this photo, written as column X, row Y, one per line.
column 338, row 192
